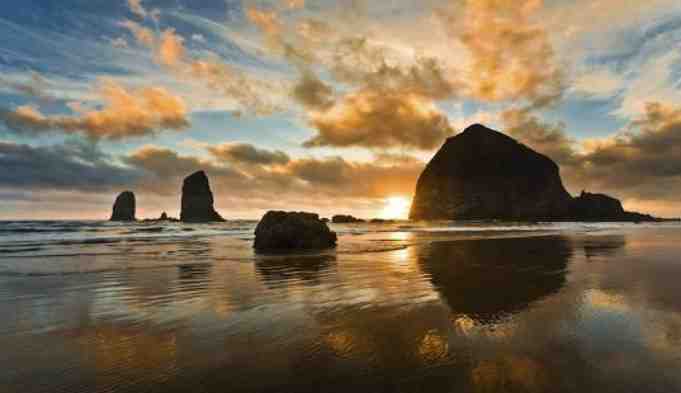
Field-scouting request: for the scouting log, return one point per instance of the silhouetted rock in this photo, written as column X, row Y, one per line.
column 381, row 221
column 124, row 207
column 164, row 216
column 197, row 200
column 279, row 230
column 484, row 174
column 345, row 219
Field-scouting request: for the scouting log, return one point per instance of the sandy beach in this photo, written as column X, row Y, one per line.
column 475, row 307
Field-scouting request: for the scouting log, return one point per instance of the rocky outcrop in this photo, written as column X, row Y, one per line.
column 197, row 200
column 279, row 230
column 124, row 207
column 484, row 174
column 345, row 219
column 601, row 207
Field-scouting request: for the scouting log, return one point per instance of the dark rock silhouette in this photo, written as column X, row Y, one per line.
column 381, row 221
column 197, row 200
column 279, row 230
column 164, row 216
column 484, row 174
column 124, row 207
column 345, row 219
column 601, row 207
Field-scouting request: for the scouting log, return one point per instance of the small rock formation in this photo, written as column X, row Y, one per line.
column 164, row 216
column 197, row 200
column 381, row 221
column 601, row 207
column 124, row 207
column 279, row 230
column 345, row 219
column 484, row 174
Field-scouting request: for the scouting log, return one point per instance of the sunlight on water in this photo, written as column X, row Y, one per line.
column 396, row 308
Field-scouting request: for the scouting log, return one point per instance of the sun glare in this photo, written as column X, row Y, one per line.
column 396, row 207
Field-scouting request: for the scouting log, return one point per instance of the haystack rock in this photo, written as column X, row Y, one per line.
column 279, row 230
column 197, row 200
column 484, row 174
column 124, row 207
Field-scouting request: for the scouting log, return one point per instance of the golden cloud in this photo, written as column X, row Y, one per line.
column 143, row 35
column 243, row 153
column 126, row 113
column 313, row 93
column 171, row 50
column 381, row 120
column 512, row 55
column 137, row 8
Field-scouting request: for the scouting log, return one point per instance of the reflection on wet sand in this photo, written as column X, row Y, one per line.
column 540, row 314
column 488, row 279
column 281, row 269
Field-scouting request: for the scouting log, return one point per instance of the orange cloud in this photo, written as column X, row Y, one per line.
column 137, row 8
column 512, row 55
column 126, row 113
column 381, row 120
column 171, row 50
column 312, row 93
column 142, row 34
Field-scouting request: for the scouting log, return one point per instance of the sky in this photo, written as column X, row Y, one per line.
column 327, row 106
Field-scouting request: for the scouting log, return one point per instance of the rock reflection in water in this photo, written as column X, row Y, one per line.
column 489, row 279
column 274, row 270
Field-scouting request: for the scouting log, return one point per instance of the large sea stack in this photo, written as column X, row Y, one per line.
column 197, row 200
column 124, row 207
column 484, row 174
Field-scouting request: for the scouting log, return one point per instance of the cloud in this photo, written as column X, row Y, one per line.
column 143, row 35
column 164, row 169
column 549, row 139
column 642, row 162
column 248, row 154
column 512, row 57
column 253, row 95
column 137, row 8
column 73, row 165
column 312, row 93
column 295, row 4
column 171, row 50
column 35, row 86
column 380, row 120
column 125, row 113
column 598, row 83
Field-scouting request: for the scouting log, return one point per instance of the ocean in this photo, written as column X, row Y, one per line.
column 94, row 306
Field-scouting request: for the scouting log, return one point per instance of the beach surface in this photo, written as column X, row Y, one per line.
column 398, row 307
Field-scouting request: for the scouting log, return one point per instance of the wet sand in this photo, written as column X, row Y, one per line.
column 552, row 312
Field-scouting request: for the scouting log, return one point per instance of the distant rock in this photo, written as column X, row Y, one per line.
column 279, row 230
column 484, row 174
column 381, row 221
column 597, row 206
column 124, row 207
column 197, row 200
column 164, row 216
column 345, row 219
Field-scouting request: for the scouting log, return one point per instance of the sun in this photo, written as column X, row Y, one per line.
column 396, row 207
